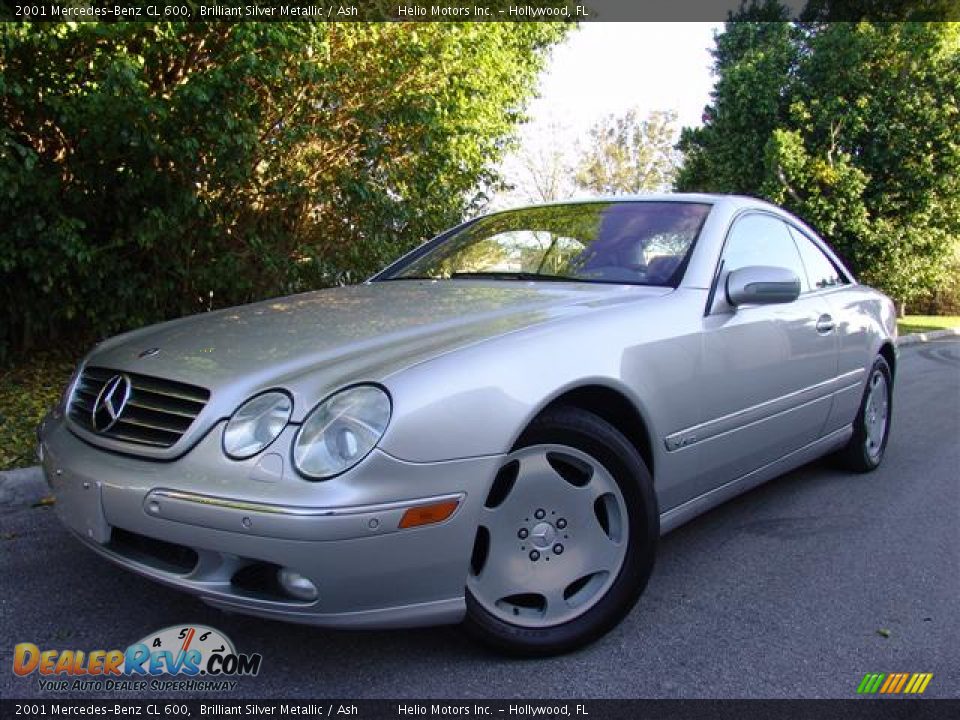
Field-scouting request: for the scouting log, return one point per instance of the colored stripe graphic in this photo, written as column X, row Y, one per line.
column 894, row 683
column 890, row 683
column 870, row 683
column 918, row 683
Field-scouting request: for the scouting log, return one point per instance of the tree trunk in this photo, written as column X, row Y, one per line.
column 901, row 309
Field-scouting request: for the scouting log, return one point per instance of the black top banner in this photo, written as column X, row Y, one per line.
column 476, row 10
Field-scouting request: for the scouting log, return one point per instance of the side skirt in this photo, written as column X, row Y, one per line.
column 677, row 516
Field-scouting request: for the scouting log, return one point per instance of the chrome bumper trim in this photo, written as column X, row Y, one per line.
column 288, row 522
column 298, row 511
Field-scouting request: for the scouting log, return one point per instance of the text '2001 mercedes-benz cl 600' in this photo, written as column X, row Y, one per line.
column 494, row 430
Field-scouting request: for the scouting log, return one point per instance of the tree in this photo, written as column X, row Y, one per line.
column 869, row 155
column 541, row 169
column 629, row 155
column 752, row 62
column 151, row 170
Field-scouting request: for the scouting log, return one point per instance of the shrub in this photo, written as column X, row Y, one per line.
column 152, row 170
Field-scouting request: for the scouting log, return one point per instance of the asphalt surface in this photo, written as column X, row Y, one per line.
column 795, row 589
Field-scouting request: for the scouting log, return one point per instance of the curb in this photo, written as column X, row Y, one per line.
column 916, row 338
column 24, row 486
column 27, row 486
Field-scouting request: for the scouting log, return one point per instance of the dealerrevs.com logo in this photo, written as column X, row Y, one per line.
column 204, row 657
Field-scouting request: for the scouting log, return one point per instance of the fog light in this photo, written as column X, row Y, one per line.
column 296, row 585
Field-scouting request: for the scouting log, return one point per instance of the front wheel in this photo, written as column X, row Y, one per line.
column 566, row 540
column 871, row 428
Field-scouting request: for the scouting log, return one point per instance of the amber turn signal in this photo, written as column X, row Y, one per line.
column 428, row 514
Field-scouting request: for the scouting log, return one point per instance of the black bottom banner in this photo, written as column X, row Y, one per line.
column 514, row 709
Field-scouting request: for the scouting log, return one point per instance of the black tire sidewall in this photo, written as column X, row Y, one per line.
column 588, row 433
column 857, row 456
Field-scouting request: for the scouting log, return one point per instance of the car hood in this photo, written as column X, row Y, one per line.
column 315, row 342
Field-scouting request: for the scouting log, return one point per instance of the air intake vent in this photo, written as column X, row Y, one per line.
column 135, row 408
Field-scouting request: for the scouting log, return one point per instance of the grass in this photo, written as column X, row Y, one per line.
column 28, row 389
column 926, row 323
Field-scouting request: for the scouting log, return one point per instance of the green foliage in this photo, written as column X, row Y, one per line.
column 152, row 170
column 630, row 155
column 752, row 61
column 27, row 392
column 853, row 126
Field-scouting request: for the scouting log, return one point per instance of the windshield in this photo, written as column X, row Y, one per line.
column 642, row 243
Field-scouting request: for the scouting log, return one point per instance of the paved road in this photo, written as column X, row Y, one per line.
column 779, row 593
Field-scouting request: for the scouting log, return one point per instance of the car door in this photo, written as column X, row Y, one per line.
column 853, row 336
column 766, row 385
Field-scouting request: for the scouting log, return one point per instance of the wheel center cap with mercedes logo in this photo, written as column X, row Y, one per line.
column 110, row 403
column 543, row 534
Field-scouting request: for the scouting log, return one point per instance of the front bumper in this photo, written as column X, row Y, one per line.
column 221, row 529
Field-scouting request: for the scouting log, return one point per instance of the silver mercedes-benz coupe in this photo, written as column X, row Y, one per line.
column 496, row 429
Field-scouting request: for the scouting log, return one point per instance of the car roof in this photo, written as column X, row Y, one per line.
column 711, row 198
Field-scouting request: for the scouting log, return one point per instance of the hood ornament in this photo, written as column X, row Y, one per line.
column 149, row 352
column 110, row 403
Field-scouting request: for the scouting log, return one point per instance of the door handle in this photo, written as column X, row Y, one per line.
column 825, row 324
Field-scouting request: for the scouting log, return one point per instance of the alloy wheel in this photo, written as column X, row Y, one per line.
column 875, row 414
column 552, row 539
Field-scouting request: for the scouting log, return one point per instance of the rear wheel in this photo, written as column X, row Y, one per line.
column 566, row 540
column 871, row 429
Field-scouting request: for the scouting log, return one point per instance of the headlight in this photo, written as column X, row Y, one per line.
column 256, row 424
column 341, row 431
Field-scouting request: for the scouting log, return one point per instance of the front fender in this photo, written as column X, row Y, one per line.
column 477, row 400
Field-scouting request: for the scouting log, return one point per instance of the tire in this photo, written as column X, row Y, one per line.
column 865, row 450
column 572, row 515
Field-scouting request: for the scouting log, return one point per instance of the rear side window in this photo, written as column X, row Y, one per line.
column 820, row 270
column 761, row 240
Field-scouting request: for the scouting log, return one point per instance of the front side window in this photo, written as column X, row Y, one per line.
column 642, row 243
column 821, row 272
column 761, row 240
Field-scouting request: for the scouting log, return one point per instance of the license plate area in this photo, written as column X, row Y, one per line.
column 79, row 506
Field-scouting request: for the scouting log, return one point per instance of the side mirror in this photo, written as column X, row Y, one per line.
column 762, row 285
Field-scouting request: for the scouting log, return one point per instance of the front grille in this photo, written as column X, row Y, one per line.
column 157, row 413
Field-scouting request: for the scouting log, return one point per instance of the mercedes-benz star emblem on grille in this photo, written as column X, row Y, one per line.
column 110, row 403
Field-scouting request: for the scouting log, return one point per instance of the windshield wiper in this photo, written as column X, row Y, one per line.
column 410, row 277
column 512, row 275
